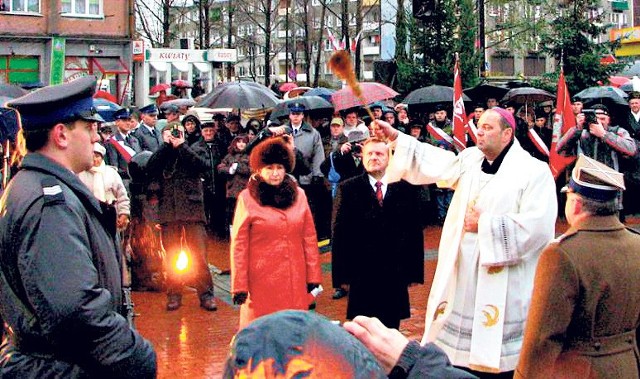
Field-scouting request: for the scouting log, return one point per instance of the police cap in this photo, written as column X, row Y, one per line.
column 149, row 109
column 296, row 107
column 122, row 114
column 47, row 106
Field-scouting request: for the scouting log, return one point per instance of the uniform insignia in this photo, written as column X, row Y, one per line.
column 52, row 191
column 440, row 310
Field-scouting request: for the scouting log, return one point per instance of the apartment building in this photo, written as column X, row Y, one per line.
column 49, row 42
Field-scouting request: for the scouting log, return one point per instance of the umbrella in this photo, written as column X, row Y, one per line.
column 181, row 83
column 239, row 95
column 298, row 91
column 527, row 95
column 316, row 105
column 106, row 108
column 159, row 88
column 11, row 91
column 371, row 92
column 632, row 85
column 324, row 93
column 484, row 91
column 618, row 81
column 9, row 124
column 178, row 103
column 431, row 95
column 105, row 95
column 603, row 94
column 288, row 86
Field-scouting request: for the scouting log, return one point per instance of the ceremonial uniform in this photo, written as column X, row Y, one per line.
column 585, row 306
column 60, row 278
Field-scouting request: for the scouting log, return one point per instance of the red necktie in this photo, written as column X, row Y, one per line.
column 379, row 192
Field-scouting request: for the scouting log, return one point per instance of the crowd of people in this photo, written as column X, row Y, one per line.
column 507, row 300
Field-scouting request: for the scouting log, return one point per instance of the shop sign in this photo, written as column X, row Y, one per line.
column 222, row 55
column 175, row 55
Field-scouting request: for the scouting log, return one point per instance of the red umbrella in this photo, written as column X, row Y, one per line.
column 181, row 83
column 371, row 92
column 288, row 86
column 159, row 88
column 105, row 95
column 617, row 81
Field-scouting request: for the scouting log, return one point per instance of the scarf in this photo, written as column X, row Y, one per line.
column 281, row 197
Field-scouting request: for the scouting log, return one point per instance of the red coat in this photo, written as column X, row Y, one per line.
column 274, row 253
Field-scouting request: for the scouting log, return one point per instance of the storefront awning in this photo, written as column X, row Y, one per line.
column 159, row 66
column 181, row 66
column 110, row 65
column 202, row 66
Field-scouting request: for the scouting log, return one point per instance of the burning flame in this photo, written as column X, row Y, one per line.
column 182, row 262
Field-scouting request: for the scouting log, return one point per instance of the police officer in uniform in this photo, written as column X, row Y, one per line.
column 147, row 134
column 585, row 306
column 60, row 277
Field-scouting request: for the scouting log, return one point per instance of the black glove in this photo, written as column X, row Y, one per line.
column 312, row 286
column 239, row 298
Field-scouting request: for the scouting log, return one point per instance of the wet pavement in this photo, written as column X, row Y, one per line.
column 193, row 343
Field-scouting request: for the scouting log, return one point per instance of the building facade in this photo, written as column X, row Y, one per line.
column 50, row 42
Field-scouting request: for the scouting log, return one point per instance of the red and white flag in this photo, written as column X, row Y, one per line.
column 332, row 39
column 459, row 114
column 439, row 135
column 538, row 142
column 354, row 42
column 563, row 120
column 473, row 129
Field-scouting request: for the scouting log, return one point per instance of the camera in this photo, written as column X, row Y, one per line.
column 589, row 117
column 356, row 148
column 176, row 132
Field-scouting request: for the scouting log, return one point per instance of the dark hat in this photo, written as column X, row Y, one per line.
column 207, row 125
column 480, row 105
column 122, row 114
column 576, row 99
column 539, row 113
column 47, row 106
column 172, row 109
column 509, row 103
column 600, row 109
column 296, row 107
column 375, row 105
column 594, row 180
column 233, row 117
column 356, row 136
column 149, row 109
column 218, row 116
column 634, row 95
column 271, row 151
column 548, row 103
column 283, row 341
column 439, row 107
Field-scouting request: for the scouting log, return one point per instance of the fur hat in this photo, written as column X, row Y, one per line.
column 270, row 151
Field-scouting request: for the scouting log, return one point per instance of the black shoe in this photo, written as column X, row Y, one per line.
column 339, row 293
column 174, row 302
column 209, row 304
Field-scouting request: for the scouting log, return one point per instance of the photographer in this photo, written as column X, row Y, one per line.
column 598, row 140
column 347, row 160
column 178, row 170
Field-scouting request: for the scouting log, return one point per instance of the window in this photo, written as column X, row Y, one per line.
column 20, row 6
column 19, row 69
column 534, row 65
column 82, row 7
column 502, row 65
column 327, row 45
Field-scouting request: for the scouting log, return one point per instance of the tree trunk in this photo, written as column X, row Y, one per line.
column 316, row 74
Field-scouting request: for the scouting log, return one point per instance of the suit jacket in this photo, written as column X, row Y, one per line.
column 148, row 141
column 114, row 158
column 585, row 306
column 377, row 250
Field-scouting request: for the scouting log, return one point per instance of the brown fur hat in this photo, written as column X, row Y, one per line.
column 270, row 151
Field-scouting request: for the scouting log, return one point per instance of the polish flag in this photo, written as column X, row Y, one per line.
column 438, row 134
column 473, row 130
column 332, row 39
column 459, row 114
column 354, row 42
column 538, row 142
column 562, row 121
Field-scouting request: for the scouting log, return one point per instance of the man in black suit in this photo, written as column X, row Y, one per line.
column 122, row 145
column 378, row 246
column 147, row 134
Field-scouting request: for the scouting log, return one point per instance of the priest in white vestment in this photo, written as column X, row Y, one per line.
column 502, row 214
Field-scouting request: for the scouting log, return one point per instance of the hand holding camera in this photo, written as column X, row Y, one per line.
column 177, row 136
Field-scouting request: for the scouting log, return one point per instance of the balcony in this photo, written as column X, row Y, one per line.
column 371, row 50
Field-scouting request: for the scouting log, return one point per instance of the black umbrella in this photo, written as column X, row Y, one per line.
column 12, row 91
column 484, row 91
column 315, row 105
column 603, row 94
column 527, row 95
column 241, row 95
column 9, row 124
column 432, row 95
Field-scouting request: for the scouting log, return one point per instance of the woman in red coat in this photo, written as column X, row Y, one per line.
column 274, row 248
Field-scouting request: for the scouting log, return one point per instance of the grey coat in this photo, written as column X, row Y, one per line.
column 60, row 282
column 147, row 140
column 309, row 142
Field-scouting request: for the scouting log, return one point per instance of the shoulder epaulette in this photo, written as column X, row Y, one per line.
column 52, row 191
